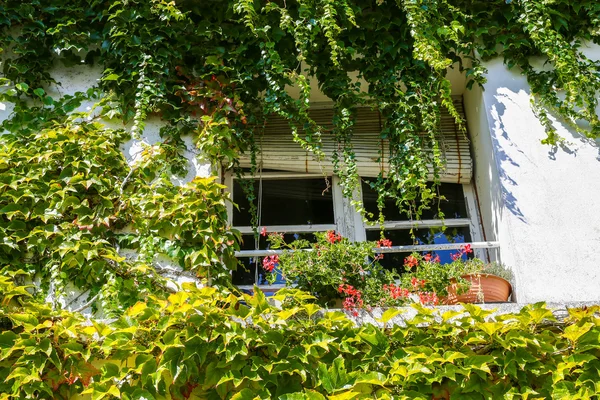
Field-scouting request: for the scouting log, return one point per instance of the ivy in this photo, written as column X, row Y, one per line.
column 206, row 343
column 215, row 70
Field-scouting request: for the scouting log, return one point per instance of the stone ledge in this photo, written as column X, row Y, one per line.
column 559, row 309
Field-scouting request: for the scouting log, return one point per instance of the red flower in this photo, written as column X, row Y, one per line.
column 411, row 261
column 396, row 291
column 333, row 237
column 384, row 243
column 467, row 249
column 427, row 257
column 428, row 298
column 263, row 231
column 414, row 281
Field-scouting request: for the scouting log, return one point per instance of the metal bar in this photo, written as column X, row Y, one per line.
column 425, row 223
column 289, row 228
column 282, row 175
column 393, row 249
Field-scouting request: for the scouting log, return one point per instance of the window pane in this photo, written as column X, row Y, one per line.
column 453, row 207
column 423, row 236
column 287, row 202
column 246, row 273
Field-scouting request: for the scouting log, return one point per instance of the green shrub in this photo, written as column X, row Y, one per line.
column 206, row 344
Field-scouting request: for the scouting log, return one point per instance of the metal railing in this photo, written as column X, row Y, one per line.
column 383, row 250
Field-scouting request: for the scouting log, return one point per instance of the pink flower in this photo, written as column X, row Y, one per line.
column 427, row 257
column 263, row 231
column 270, row 262
column 467, row 249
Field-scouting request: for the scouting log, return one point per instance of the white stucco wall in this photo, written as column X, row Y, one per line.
column 540, row 203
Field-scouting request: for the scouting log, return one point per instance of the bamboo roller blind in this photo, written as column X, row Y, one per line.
column 280, row 152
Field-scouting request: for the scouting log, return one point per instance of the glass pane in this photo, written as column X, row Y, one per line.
column 246, row 273
column 287, row 202
column 453, row 207
column 422, row 236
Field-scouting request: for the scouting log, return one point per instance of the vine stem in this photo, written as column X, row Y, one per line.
column 87, row 304
column 127, row 178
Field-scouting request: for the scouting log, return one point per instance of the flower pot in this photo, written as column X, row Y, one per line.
column 485, row 288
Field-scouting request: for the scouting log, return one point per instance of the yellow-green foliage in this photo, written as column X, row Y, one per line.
column 207, row 344
column 66, row 193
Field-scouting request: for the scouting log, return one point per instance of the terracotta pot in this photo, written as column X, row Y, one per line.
column 485, row 288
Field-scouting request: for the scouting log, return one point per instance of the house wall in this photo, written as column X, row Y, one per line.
column 540, row 202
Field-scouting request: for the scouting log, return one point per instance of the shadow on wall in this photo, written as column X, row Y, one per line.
column 502, row 158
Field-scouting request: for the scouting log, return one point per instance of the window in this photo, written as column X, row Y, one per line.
column 289, row 203
column 295, row 198
column 298, row 205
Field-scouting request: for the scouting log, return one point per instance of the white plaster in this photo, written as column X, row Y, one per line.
column 166, row 267
column 539, row 202
column 453, row 74
column 150, row 136
column 197, row 165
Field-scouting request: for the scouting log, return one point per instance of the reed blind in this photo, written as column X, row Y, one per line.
column 280, row 152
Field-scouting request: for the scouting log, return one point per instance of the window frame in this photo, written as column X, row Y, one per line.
column 349, row 223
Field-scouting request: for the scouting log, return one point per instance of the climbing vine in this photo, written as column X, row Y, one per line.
column 214, row 71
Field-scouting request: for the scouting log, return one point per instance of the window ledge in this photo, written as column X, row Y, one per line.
column 559, row 309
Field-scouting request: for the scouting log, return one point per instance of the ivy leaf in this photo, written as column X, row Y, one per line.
column 308, row 395
column 334, row 378
column 22, row 87
column 574, row 332
column 245, row 394
column 389, row 314
column 7, row 339
column 39, row 92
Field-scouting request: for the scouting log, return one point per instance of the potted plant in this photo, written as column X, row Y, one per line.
column 490, row 283
column 336, row 271
column 465, row 280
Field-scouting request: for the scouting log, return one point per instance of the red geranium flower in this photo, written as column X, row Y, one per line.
column 333, row 237
column 411, row 261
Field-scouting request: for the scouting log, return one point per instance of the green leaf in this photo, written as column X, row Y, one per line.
column 245, row 394
column 334, row 378
column 389, row 314
column 22, row 87
column 7, row 339
column 574, row 332
column 307, row 395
